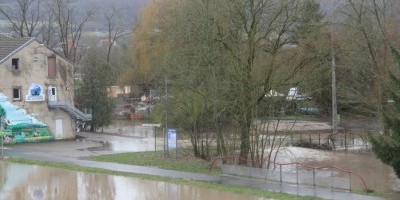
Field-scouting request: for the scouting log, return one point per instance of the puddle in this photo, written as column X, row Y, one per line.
column 38, row 183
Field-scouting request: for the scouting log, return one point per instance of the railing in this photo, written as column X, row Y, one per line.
column 297, row 171
column 70, row 109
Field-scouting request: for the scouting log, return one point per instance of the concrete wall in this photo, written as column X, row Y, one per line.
column 33, row 68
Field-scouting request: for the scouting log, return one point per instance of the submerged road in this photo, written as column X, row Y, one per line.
column 73, row 152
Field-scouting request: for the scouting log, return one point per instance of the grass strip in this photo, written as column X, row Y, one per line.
column 206, row 185
column 156, row 159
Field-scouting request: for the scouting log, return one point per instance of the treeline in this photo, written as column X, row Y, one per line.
column 220, row 59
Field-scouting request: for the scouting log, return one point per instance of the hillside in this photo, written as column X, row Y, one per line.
column 129, row 10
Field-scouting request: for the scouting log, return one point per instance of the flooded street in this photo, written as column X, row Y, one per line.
column 39, row 183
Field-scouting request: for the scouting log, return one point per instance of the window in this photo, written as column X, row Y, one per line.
column 51, row 67
column 17, row 94
column 14, row 64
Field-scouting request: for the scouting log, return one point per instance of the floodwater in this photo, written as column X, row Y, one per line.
column 128, row 145
column 19, row 181
column 378, row 176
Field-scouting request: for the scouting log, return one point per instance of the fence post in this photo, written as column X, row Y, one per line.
column 313, row 176
column 328, row 141
column 248, row 167
column 319, row 138
column 301, row 138
column 297, row 174
column 235, row 160
column 331, row 178
column 280, row 173
column 350, row 180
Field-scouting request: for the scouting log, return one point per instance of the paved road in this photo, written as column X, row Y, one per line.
column 72, row 152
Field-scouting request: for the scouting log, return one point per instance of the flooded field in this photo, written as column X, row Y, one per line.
column 38, row 183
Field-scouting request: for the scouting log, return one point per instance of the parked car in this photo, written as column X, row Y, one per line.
column 311, row 110
column 294, row 94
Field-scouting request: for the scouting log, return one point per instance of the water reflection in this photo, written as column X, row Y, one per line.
column 38, row 183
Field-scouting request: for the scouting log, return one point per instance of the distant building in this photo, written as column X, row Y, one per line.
column 40, row 81
column 116, row 91
column 104, row 43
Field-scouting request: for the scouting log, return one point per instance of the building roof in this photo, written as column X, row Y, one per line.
column 10, row 46
column 105, row 42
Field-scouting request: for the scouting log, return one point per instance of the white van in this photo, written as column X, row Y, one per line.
column 294, row 95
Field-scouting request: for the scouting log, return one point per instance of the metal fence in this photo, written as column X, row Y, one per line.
column 343, row 140
column 298, row 173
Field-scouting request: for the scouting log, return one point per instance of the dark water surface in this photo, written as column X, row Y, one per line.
column 26, row 182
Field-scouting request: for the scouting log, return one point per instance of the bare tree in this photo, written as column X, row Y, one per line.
column 255, row 33
column 69, row 26
column 24, row 17
column 48, row 34
column 366, row 26
column 115, row 29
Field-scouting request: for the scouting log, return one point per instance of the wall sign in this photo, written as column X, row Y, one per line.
column 171, row 134
column 35, row 93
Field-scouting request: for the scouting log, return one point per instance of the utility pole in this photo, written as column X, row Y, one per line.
column 334, row 104
column 166, row 118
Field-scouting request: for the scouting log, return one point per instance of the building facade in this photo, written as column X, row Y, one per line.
column 35, row 78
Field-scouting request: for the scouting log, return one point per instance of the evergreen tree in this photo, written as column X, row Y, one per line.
column 93, row 93
column 387, row 146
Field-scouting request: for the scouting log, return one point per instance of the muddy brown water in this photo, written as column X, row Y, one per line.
column 26, row 182
column 378, row 176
